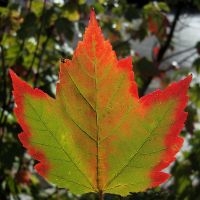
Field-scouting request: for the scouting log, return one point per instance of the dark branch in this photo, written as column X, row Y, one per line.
column 163, row 48
column 38, row 40
column 4, row 85
column 166, row 45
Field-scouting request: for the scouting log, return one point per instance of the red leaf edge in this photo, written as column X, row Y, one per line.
column 20, row 89
column 126, row 65
column 173, row 142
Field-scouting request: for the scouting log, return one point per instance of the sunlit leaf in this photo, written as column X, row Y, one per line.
column 97, row 134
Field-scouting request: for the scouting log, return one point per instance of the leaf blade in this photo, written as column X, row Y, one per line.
column 47, row 157
column 97, row 118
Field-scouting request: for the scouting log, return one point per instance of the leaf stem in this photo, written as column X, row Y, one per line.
column 101, row 195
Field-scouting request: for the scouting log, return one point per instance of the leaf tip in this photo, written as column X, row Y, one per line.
column 92, row 17
column 18, row 84
column 92, row 13
column 188, row 79
column 10, row 72
column 12, row 75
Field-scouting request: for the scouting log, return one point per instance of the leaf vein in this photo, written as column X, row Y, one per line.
column 81, row 129
column 62, row 178
column 136, row 153
column 65, row 152
column 81, row 94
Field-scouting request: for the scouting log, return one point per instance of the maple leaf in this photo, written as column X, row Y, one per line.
column 97, row 134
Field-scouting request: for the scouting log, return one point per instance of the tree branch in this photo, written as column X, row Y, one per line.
column 38, row 41
column 40, row 61
column 166, row 45
column 163, row 48
column 178, row 53
column 4, row 85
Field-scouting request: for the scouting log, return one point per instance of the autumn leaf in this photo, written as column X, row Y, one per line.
column 97, row 135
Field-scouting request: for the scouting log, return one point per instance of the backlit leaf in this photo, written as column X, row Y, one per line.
column 97, row 134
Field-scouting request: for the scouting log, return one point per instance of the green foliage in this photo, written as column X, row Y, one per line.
column 35, row 35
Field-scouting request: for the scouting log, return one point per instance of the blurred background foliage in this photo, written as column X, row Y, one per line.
column 36, row 34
